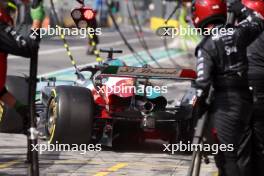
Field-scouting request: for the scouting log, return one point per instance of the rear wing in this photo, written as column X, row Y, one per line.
column 153, row 73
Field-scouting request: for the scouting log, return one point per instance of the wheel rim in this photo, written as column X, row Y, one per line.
column 1, row 111
column 52, row 114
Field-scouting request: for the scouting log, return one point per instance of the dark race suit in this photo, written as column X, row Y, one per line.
column 222, row 63
column 13, row 43
column 256, row 79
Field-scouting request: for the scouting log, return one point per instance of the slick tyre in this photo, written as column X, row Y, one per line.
column 10, row 121
column 70, row 115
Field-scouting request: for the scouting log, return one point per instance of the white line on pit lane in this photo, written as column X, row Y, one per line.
column 76, row 48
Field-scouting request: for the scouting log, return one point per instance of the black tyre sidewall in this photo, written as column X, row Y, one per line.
column 75, row 111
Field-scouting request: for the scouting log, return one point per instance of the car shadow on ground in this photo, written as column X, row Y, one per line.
column 148, row 146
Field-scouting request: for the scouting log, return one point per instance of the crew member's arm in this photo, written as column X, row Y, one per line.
column 204, row 68
column 251, row 27
column 16, row 44
column 37, row 13
column 203, row 82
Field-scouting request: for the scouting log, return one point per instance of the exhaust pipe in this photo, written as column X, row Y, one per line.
column 145, row 107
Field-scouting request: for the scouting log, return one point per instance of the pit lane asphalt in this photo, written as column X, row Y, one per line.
column 147, row 159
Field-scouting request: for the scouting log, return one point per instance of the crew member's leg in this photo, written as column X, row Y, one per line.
column 7, row 98
column 258, row 136
column 231, row 111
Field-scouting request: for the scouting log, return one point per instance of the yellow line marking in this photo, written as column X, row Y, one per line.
column 117, row 167
column 102, row 174
column 112, row 169
column 215, row 174
column 137, row 164
column 9, row 163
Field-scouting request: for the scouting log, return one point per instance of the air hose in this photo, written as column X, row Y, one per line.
column 131, row 49
column 66, row 45
column 165, row 42
column 140, row 33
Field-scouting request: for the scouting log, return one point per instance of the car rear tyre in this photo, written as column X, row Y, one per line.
column 70, row 115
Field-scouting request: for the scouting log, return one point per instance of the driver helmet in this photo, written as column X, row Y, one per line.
column 115, row 62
